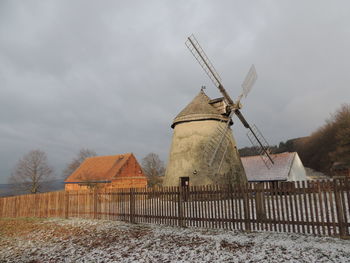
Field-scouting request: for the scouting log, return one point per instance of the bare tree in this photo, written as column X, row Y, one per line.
column 154, row 169
column 341, row 152
column 75, row 163
column 31, row 171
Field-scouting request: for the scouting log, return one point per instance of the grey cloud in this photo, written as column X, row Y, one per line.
column 112, row 75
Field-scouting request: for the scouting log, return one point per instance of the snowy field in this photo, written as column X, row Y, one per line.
column 82, row 240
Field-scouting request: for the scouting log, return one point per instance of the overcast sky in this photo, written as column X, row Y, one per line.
column 111, row 75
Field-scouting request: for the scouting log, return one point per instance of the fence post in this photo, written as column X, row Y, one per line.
column 339, row 209
column 66, row 202
column 132, row 205
column 260, row 202
column 15, row 207
column 95, row 199
column 180, row 207
column 246, row 206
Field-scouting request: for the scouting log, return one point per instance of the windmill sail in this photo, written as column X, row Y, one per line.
column 203, row 60
column 216, row 148
column 260, row 145
column 223, row 139
column 249, row 81
column 257, row 140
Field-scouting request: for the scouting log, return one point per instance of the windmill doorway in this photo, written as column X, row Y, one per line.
column 184, row 184
column 184, row 181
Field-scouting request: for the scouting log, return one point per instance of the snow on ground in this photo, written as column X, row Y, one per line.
column 82, row 240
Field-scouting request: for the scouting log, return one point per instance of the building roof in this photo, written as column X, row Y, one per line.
column 99, row 168
column 199, row 109
column 256, row 170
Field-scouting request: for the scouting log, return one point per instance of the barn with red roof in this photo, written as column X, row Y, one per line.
column 114, row 171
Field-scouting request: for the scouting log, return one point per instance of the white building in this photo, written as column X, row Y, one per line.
column 287, row 167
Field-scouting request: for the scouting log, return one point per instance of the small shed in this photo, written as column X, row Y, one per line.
column 287, row 167
column 114, row 171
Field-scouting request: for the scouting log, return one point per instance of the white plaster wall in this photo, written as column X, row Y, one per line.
column 297, row 171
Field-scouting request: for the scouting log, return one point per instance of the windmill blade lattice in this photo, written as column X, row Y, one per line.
column 214, row 150
column 203, row 60
column 260, row 145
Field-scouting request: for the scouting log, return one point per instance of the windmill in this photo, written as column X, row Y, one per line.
column 217, row 147
column 203, row 150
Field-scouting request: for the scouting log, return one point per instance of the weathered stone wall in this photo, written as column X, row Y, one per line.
column 188, row 158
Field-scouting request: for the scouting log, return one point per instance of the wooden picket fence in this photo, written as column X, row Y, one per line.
column 315, row 207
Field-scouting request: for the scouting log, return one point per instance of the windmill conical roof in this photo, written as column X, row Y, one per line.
column 199, row 109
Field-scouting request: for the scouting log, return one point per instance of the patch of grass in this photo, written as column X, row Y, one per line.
column 10, row 227
column 29, row 219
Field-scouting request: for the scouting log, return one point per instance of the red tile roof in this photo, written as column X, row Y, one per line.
column 99, row 168
column 256, row 170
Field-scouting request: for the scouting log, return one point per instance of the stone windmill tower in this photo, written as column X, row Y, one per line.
column 197, row 126
column 203, row 150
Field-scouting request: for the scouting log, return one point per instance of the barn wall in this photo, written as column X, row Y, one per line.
column 71, row 187
column 130, row 176
column 131, row 169
column 125, row 182
column 128, row 182
column 297, row 171
column 84, row 186
column 188, row 159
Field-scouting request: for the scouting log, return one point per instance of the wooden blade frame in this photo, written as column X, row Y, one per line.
column 203, row 60
column 257, row 139
column 224, row 134
column 260, row 144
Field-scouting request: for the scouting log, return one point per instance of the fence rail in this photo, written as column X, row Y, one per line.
column 316, row 207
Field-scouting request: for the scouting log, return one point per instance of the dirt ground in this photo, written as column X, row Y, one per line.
column 81, row 240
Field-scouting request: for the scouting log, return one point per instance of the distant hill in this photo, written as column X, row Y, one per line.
column 292, row 145
column 8, row 190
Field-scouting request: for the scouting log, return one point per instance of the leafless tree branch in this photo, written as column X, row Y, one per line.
column 154, row 169
column 75, row 163
column 31, row 171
